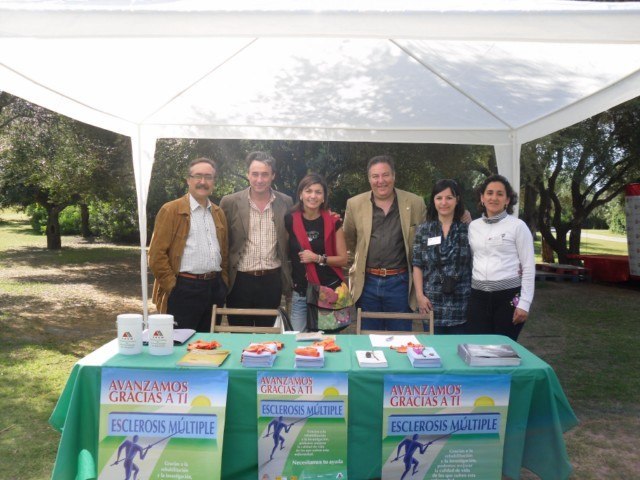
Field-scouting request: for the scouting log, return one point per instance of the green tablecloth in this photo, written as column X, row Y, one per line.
column 539, row 412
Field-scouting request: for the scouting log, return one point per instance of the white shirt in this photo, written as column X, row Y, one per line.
column 503, row 257
column 202, row 250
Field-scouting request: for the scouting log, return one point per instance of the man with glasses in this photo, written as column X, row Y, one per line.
column 188, row 254
column 379, row 226
column 258, row 268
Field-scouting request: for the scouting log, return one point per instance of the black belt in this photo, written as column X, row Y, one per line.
column 262, row 273
column 199, row 276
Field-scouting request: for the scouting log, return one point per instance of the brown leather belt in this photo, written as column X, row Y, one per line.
column 262, row 273
column 199, row 276
column 385, row 272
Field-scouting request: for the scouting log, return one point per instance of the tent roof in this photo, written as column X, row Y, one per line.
column 393, row 71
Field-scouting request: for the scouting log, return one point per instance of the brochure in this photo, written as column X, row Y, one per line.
column 203, row 358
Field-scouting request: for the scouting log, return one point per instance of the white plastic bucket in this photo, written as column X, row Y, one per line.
column 160, row 334
column 129, row 333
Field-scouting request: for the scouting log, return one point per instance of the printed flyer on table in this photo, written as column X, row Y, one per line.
column 302, row 425
column 444, row 427
column 158, row 424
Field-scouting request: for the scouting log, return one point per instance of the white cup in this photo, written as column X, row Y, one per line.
column 160, row 334
column 129, row 333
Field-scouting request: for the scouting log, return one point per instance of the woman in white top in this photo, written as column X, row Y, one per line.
column 502, row 283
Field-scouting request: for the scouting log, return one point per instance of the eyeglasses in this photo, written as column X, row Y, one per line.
column 199, row 176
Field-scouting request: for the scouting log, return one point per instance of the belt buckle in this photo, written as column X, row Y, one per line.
column 383, row 272
column 209, row 275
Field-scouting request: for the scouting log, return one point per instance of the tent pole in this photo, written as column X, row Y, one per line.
column 143, row 148
column 508, row 161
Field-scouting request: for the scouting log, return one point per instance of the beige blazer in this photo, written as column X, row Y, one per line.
column 236, row 209
column 358, row 221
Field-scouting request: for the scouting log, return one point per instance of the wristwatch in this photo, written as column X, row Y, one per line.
column 323, row 260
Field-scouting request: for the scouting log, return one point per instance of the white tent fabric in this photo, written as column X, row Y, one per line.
column 498, row 73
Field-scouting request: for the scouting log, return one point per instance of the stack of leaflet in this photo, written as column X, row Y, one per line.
column 371, row 359
column 309, row 360
column 424, row 357
column 259, row 355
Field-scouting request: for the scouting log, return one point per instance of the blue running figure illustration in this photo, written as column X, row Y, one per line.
column 131, row 448
column 410, row 446
column 278, row 425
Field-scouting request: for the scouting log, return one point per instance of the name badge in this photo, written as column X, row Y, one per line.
column 495, row 240
column 434, row 241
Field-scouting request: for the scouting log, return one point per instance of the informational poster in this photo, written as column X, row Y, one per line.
column 444, row 427
column 632, row 210
column 302, row 425
column 161, row 424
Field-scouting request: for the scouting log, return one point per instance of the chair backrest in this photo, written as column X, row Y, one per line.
column 410, row 317
column 259, row 312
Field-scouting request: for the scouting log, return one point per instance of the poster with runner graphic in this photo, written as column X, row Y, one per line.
column 161, row 424
column 302, row 425
column 444, row 427
column 632, row 210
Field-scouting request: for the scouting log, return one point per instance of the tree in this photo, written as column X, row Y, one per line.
column 54, row 161
column 580, row 168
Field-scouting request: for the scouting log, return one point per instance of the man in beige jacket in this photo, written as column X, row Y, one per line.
column 379, row 227
column 188, row 254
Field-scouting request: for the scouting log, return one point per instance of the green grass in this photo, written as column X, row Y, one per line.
column 31, row 378
column 590, row 246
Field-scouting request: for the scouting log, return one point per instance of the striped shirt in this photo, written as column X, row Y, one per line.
column 202, row 250
column 503, row 257
column 260, row 249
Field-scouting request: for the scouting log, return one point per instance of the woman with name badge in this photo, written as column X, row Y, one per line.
column 317, row 247
column 503, row 263
column 442, row 260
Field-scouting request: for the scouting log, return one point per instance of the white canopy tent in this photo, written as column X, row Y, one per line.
column 502, row 73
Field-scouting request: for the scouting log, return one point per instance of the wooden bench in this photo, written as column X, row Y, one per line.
column 560, row 271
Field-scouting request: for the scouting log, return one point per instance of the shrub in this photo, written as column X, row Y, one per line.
column 117, row 222
column 69, row 219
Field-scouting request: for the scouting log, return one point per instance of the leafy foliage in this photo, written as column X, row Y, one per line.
column 581, row 168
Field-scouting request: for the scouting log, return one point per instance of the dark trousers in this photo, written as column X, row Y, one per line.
column 191, row 302
column 255, row 292
column 447, row 330
column 492, row 313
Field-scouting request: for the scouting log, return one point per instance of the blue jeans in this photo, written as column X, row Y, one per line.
column 298, row 315
column 385, row 294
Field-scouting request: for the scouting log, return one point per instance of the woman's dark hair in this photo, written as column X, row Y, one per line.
column 440, row 186
column 308, row 180
column 511, row 195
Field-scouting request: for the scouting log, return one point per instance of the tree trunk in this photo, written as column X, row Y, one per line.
column 85, row 231
column 574, row 239
column 530, row 213
column 547, row 252
column 54, row 240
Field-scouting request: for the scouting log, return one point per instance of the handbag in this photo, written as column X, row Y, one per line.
column 448, row 281
column 449, row 284
column 329, row 309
